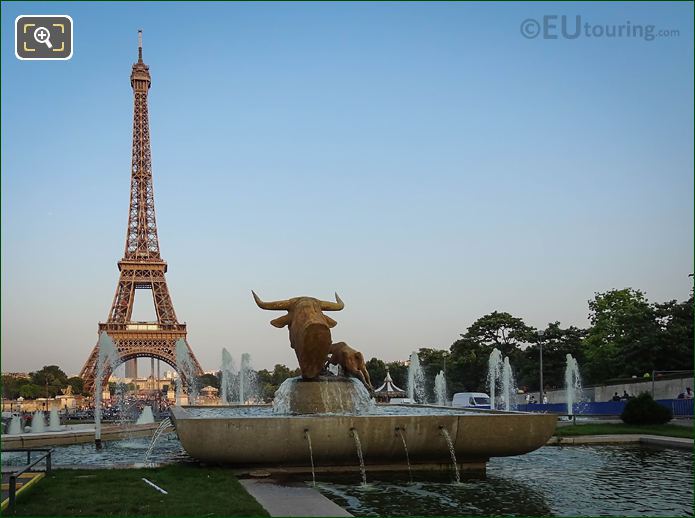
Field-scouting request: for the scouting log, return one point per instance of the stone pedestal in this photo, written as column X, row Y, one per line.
column 326, row 395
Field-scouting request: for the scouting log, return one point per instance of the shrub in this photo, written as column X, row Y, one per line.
column 644, row 410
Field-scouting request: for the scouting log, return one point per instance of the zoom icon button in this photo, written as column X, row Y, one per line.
column 43, row 37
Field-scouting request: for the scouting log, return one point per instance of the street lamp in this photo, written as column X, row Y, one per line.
column 540, row 345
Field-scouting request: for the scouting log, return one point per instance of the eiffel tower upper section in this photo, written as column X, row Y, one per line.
column 142, row 243
column 142, row 265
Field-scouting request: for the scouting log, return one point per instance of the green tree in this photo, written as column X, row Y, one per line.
column 557, row 344
column 77, row 385
column 377, row 371
column 30, row 391
column 623, row 339
column 208, row 380
column 281, row 373
column 675, row 342
column 10, row 386
column 51, row 378
column 467, row 366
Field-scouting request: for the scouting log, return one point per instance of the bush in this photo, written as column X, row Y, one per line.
column 644, row 410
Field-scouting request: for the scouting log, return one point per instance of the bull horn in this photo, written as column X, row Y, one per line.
column 332, row 306
column 278, row 305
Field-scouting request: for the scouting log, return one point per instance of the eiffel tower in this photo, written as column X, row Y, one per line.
column 142, row 267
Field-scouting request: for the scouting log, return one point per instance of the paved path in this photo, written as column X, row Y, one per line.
column 656, row 440
column 284, row 500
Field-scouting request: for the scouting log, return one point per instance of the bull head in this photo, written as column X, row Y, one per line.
column 309, row 328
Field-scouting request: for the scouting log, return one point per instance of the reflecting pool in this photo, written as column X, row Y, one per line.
column 114, row 454
column 559, row 481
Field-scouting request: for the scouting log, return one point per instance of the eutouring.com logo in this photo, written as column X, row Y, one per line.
column 553, row 27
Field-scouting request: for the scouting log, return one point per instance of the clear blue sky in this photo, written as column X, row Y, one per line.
column 426, row 161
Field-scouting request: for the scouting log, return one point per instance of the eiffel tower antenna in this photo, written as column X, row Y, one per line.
column 142, row 267
column 140, row 45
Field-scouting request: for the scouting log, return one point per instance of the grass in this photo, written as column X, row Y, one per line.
column 193, row 491
column 670, row 430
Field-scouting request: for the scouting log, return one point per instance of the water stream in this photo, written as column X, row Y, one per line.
column 401, row 432
column 445, row 433
column 440, row 388
column 228, row 375
column 508, row 388
column 38, row 423
column 166, row 423
column 187, row 371
column 573, row 383
column 15, row 426
column 311, row 457
column 106, row 359
column 494, row 370
column 416, row 380
column 54, row 421
column 358, row 446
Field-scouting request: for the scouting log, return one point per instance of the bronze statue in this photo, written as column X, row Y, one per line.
column 310, row 333
column 351, row 361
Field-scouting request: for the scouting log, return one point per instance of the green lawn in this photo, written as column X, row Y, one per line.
column 670, row 430
column 193, row 491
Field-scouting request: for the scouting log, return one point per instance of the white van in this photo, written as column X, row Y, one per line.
column 471, row 400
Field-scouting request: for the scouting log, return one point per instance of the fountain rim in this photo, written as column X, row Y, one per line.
column 180, row 412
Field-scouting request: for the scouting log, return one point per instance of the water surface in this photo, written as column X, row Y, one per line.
column 555, row 481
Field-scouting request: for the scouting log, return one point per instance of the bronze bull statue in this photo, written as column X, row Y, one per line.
column 351, row 361
column 310, row 329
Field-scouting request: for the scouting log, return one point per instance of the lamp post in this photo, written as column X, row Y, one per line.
column 540, row 345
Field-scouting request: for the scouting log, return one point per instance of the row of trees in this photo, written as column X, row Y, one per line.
column 628, row 336
column 47, row 382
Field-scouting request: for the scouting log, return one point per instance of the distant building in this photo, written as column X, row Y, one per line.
column 131, row 368
column 17, row 375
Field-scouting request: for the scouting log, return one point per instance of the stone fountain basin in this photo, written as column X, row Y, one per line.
column 76, row 434
column 263, row 439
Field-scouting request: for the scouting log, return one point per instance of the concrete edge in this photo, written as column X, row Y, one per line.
column 654, row 440
column 285, row 500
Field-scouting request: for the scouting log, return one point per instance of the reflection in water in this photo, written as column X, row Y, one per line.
column 432, row 495
column 560, row 481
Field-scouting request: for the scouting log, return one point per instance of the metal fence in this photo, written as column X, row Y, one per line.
column 46, row 455
column 679, row 407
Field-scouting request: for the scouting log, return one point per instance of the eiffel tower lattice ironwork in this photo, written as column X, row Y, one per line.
column 142, row 266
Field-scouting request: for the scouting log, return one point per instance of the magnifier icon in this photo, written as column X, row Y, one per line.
column 42, row 35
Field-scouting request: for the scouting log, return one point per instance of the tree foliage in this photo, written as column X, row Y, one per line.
column 470, row 354
column 208, row 380
column 51, row 378
column 77, row 385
